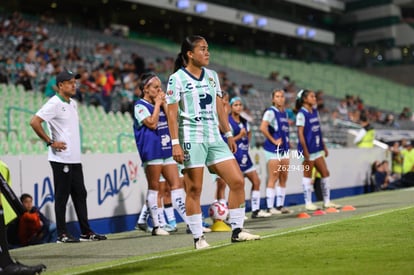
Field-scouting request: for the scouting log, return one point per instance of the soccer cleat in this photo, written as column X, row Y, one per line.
column 158, row 231
column 311, row 207
column 18, row 268
column 284, row 210
column 91, row 236
column 331, row 205
column 273, row 211
column 260, row 214
column 242, row 236
column 201, row 243
column 66, row 238
column 143, row 227
column 169, row 228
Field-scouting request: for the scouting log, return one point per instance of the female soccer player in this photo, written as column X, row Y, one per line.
column 313, row 148
column 275, row 128
column 154, row 146
column 242, row 134
column 195, row 111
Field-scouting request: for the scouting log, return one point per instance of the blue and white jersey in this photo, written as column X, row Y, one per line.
column 312, row 130
column 278, row 128
column 196, row 100
column 242, row 153
column 151, row 144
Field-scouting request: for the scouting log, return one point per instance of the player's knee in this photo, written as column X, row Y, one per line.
column 194, row 191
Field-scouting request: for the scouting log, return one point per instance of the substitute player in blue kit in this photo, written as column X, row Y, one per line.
column 313, row 148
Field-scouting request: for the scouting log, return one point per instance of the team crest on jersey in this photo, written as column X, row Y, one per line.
column 170, row 92
column 212, row 82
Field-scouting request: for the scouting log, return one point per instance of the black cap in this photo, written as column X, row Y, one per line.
column 66, row 75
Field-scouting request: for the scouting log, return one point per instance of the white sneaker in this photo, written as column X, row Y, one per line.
column 201, row 243
column 311, row 207
column 260, row 214
column 159, row 232
column 206, row 230
column 244, row 236
column 331, row 205
column 273, row 211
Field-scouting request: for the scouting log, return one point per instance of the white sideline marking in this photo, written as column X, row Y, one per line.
column 227, row 244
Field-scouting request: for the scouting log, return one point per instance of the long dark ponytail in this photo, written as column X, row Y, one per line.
column 187, row 45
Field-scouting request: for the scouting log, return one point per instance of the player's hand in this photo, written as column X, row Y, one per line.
column 178, row 153
column 232, row 144
column 59, row 146
column 243, row 132
column 278, row 142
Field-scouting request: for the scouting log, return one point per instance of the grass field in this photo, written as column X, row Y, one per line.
column 378, row 238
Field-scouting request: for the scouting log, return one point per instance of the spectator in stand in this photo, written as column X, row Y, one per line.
column 89, row 89
column 342, row 109
column 320, row 102
column 406, row 114
column 366, row 135
column 139, row 63
column 390, row 121
column 51, row 88
column 274, row 76
column 397, row 160
column 408, row 158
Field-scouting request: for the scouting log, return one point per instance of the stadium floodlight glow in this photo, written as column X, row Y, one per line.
column 183, row 4
column 248, row 19
column 300, row 31
column 200, row 8
column 311, row 33
column 261, row 22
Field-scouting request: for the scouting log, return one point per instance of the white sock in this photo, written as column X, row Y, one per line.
column 152, row 197
column 143, row 216
column 195, row 222
column 280, row 196
column 169, row 212
column 236, row 217
column 255, row 200
column 161, row 216
column 307, row 190
column 326, row 192
column 178, row 201
column 270, row 197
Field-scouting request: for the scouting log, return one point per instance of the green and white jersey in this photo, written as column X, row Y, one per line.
column 196, row 100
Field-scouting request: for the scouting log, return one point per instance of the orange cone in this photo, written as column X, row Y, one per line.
column 303, row 215
column 348, row 208
column 318, row 213
column 331, row 210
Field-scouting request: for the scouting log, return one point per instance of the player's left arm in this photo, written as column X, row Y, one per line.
column 224, row 124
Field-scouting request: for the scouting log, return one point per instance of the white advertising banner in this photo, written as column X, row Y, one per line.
column 117, row 186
